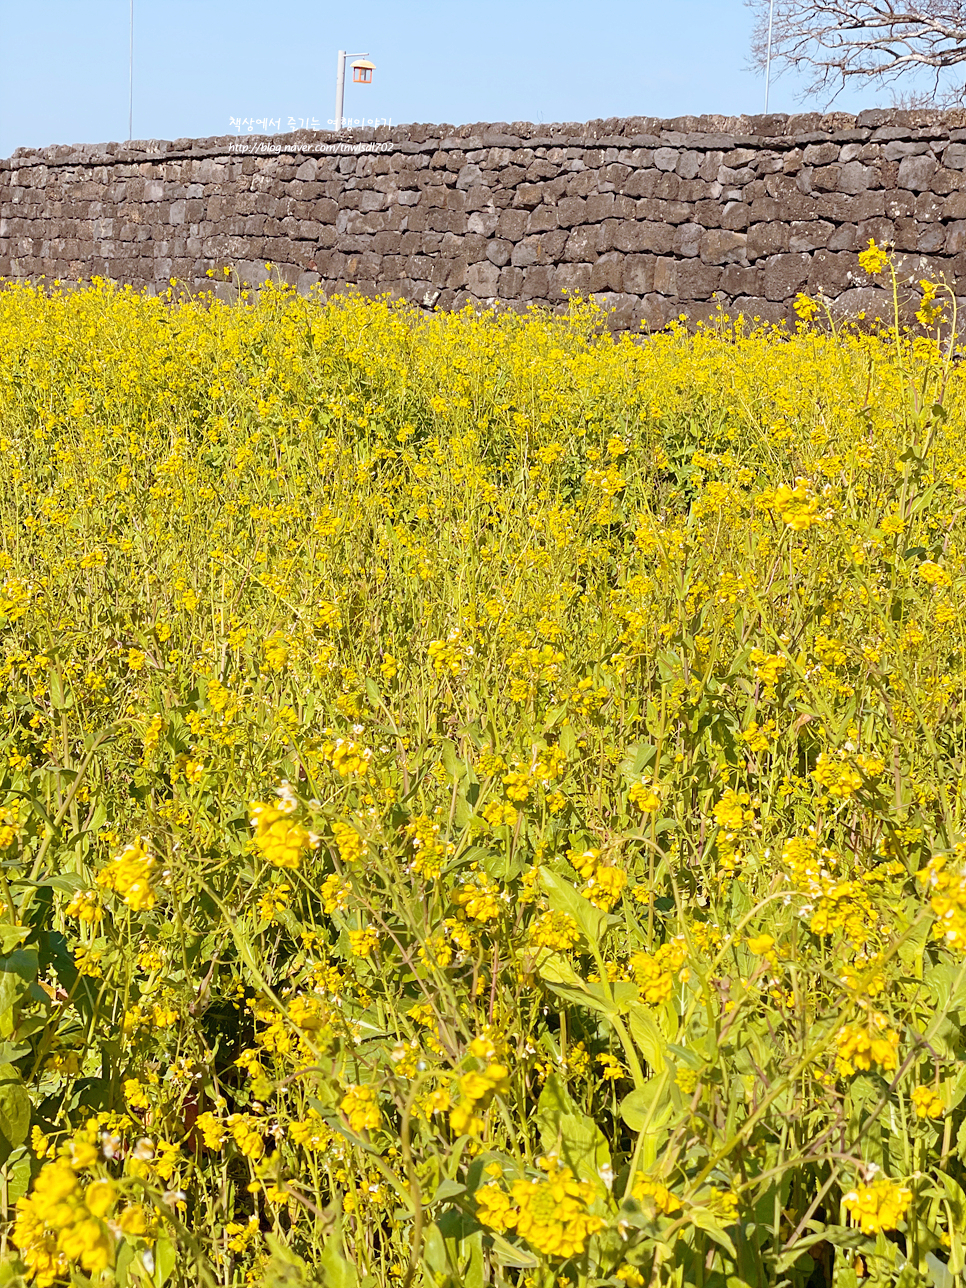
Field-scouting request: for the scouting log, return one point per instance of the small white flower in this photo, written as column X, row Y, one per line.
column 287, row 799
column 110, row 1145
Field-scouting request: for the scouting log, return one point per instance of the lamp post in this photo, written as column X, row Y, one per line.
column 361, row 74
column 771, row 24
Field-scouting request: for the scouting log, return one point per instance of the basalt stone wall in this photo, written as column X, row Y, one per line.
column 655, row 218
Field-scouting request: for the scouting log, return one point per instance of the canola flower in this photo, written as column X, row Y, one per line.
column 549, row 1212
column 878, row 1206
column 129, row 875
column 436, row 743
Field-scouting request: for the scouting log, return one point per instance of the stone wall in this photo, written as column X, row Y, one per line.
column 655, row 218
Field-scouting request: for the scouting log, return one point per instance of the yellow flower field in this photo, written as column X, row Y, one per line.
column 481, row 800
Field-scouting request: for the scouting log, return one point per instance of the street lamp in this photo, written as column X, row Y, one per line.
column 361, row 75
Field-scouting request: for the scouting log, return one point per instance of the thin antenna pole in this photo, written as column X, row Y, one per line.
column 130, row 89
column 771, row 25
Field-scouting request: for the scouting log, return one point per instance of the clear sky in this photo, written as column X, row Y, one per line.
column 200, row 65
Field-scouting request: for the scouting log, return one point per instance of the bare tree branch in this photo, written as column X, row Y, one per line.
column 838, row 42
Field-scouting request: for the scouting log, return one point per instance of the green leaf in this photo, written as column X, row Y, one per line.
column 505, row 1254
column 14, row 1111
column 557, row 971
column 11, row 936
column 18, row 970
column 19, row 1166
column 940, row 1274
column 956, row 1091
column 447, row 1189
column 649, row 1106
column 337, row 1272
column 562, row 897
column 565, row 1130
column 451, row 761
column 647, row 1035
column 453, row 1250
column 955, row 1194
column 64, row 882
column 709, row 1223
column 639, row 756
column 554, row 968
column 60, row 695
column 947, row 984
column 165, row 1259
column 11, row 1051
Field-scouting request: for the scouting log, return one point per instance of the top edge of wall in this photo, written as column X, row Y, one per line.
column 709, row 132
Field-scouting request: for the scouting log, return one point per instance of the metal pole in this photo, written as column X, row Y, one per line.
column 339, row 88
column 130, row 92
column 771, row 24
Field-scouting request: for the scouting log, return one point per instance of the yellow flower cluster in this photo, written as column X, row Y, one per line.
column 878, row 1206
column 213, row 1130
column 843, row 775
column 873, row 259
column 477, row 1089
column 351, row 845
column 606, row 886
column 348, row 758
column 858, row 1049
column 944, row 877
column 480, row 899
column 63, row 1224
column 84, row 907
column 129, row 875
column 554, row 930
column 363, row 942
column 646, row 796
column 9, row 824
column 550, row 1212
column 247, row 1133
column 361, row 1107
column 797, row 506
column 647, row 1190
column 656, row 972
column 926, row 1102
column 429, row 851
column 733, row 811
column 278, row 839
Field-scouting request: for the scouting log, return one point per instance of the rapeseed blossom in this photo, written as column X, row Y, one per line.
column 129, row 875
column 593, row 695
column 878, row 1206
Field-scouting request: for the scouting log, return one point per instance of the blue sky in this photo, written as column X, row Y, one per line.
column 200, row 63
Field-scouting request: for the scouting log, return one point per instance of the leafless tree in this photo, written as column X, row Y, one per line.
column 836, row 43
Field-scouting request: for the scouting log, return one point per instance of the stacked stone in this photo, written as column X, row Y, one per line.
column 654, row 218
